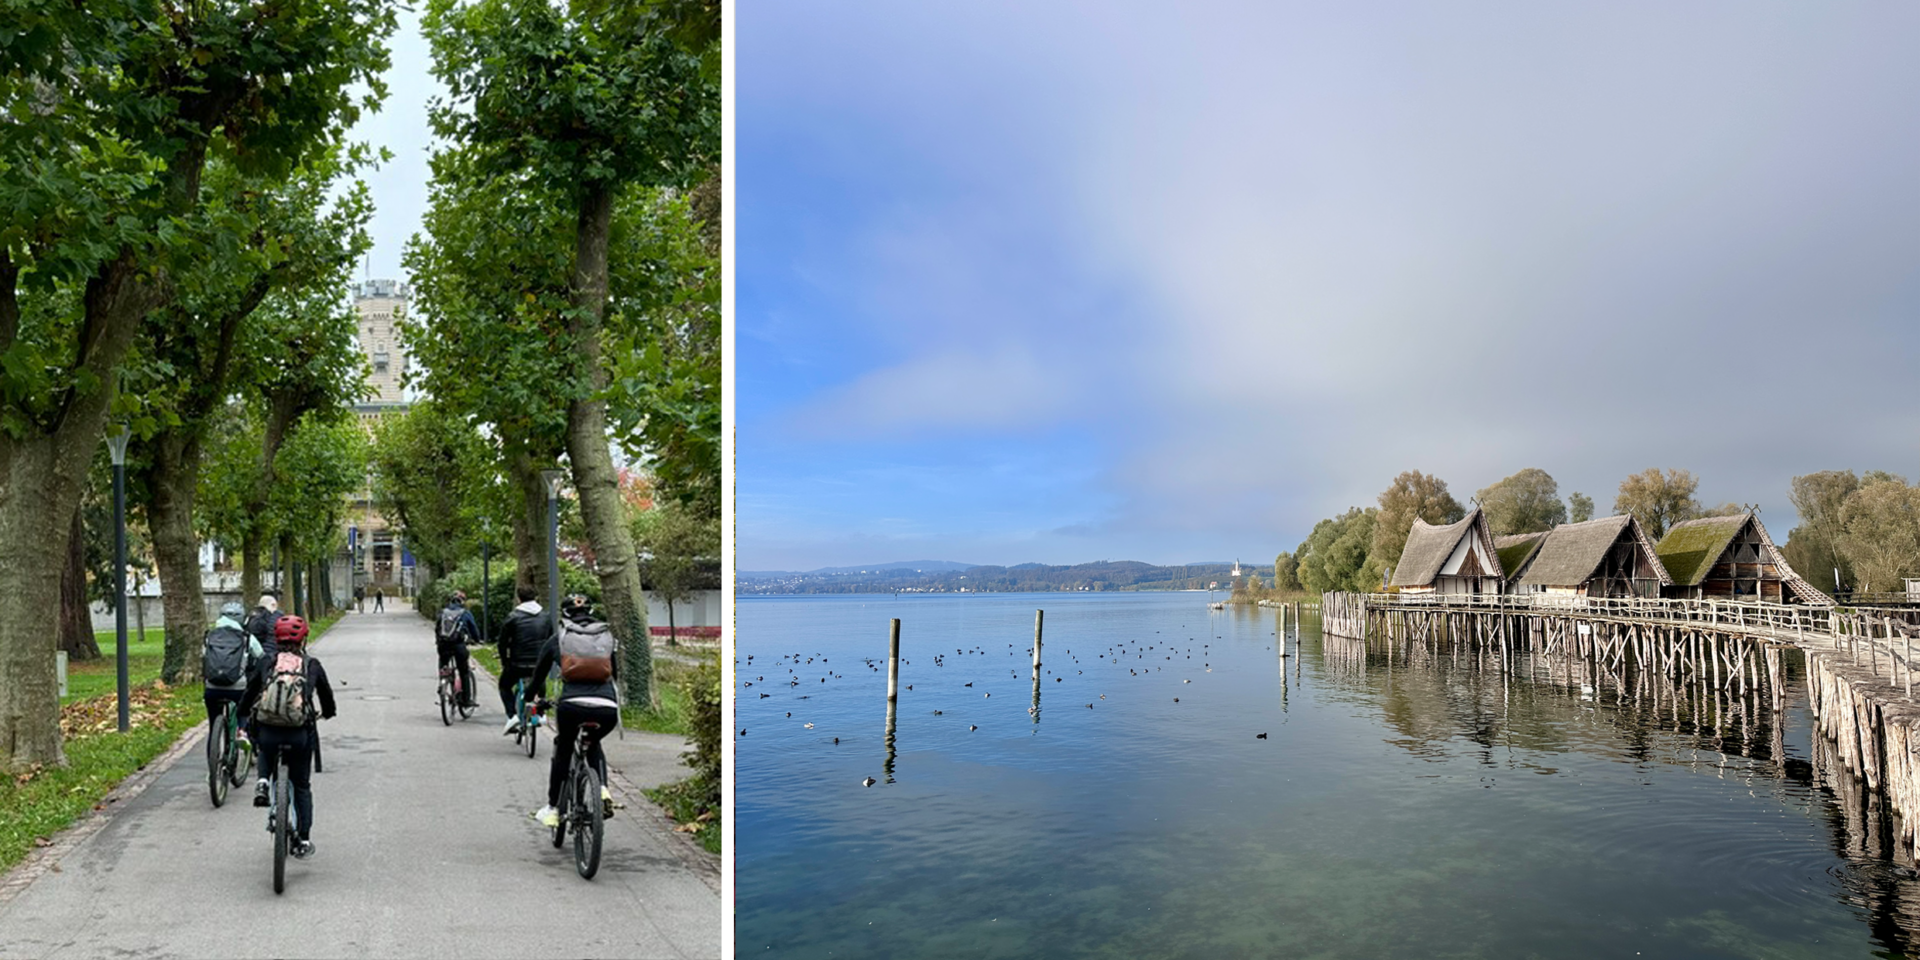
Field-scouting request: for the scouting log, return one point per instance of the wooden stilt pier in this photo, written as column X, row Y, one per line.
column 1723, row 656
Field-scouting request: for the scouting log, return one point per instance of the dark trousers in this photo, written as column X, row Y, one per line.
column 568, row 718
column 510, row 675
column 458, row 652
column 296, row 743
column 216, row 696
column 377, row 601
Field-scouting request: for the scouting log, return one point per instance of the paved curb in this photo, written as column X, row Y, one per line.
column 48, row 857
column 687, row 850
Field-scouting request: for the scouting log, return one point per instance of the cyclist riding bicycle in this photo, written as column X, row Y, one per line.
column 260, row 622
column 227, row 658
column 589, row 661
column 525, row 631
column 451, row 635
column 283, row 709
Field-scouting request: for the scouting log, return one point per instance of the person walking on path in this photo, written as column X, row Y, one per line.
column 378, row 605
column 283, row 714
column 360, row 599
column 521, row 637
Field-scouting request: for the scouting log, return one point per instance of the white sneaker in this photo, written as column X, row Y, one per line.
column 548, row 816
column 513, row 723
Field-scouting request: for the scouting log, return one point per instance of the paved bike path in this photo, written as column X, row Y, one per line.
column 424, row 847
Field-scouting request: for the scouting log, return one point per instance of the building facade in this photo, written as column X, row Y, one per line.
column 375, row 555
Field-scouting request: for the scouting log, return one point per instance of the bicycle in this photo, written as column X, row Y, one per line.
column 453, row 694
column 581, row 807
column 528, row 732
column 224, row 747
column 279, row 823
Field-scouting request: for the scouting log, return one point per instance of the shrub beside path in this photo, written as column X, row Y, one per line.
column 424, row 844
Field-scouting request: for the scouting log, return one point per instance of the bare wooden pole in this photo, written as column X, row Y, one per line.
column 893, row 661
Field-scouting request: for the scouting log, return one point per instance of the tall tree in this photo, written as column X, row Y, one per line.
column 123, row 102
column 1527, row 502
column 1880, row 524
column 1658, row 500
column 258, row 236
column 1412, row 495
column 1820, row 499
column 1286, row 573
column 592, row 99
column 1579, row 507
column 1335, row 555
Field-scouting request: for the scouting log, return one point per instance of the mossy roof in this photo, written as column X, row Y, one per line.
column 1516, row 549
column 1692, row 547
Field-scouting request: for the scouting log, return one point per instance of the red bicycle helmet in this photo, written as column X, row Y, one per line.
column 290, row 631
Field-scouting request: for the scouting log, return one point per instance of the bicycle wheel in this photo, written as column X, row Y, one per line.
column 317, row 766
column 242, row 765
column 217, row 746
column 461, row 696
column 281, row 828
column 587, row 833
column 533, row 733
column 446, row 707
column 559, row 828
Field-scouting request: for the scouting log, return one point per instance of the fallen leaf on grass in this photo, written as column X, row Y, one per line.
column 689, row 827
column 42, row 842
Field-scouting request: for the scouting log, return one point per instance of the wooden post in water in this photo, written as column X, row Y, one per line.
column 1038, row 617
column 893, row 661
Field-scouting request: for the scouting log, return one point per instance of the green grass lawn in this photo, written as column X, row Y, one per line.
column 91, row 678
column 37, row 805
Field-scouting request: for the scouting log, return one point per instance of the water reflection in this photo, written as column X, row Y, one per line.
column 1434, row 698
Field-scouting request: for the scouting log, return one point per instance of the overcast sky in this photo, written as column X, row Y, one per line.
column 399, row 187
column 1171, row 283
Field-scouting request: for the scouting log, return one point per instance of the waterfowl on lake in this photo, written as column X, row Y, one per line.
column 868, row 782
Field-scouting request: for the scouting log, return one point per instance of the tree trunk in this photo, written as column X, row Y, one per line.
column 295, row 599
column 42, row 475
column 176, row 551
column 29, row 587
column 76, row 621
column 594, row 478
column 530, row 521
column 250, row 588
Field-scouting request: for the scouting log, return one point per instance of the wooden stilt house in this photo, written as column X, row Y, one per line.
column 1608, row 557
column 1730, row 558
column 1456, row 558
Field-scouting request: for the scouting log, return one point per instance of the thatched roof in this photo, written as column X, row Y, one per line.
column 1573, row 551
column 1515, row 549
column 1692, row 547
column 1428, row 548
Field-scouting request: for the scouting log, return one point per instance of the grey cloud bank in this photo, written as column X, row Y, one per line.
column 1269, row 257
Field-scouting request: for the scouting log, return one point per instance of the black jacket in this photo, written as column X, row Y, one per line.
column 570, row 689
column 260, row 624
column 316, row 675
column 525, row 631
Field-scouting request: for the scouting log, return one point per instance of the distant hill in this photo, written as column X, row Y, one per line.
column 947, row 577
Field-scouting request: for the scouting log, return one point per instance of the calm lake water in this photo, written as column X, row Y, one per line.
column 1423, row 808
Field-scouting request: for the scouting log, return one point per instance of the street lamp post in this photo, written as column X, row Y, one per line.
column 117, row 444
column 486, row 575
column 554, row 479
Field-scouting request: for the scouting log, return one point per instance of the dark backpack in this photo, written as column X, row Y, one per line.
column 453, row 624
column 223, row 660
column 261, row 624
column 286, row 699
